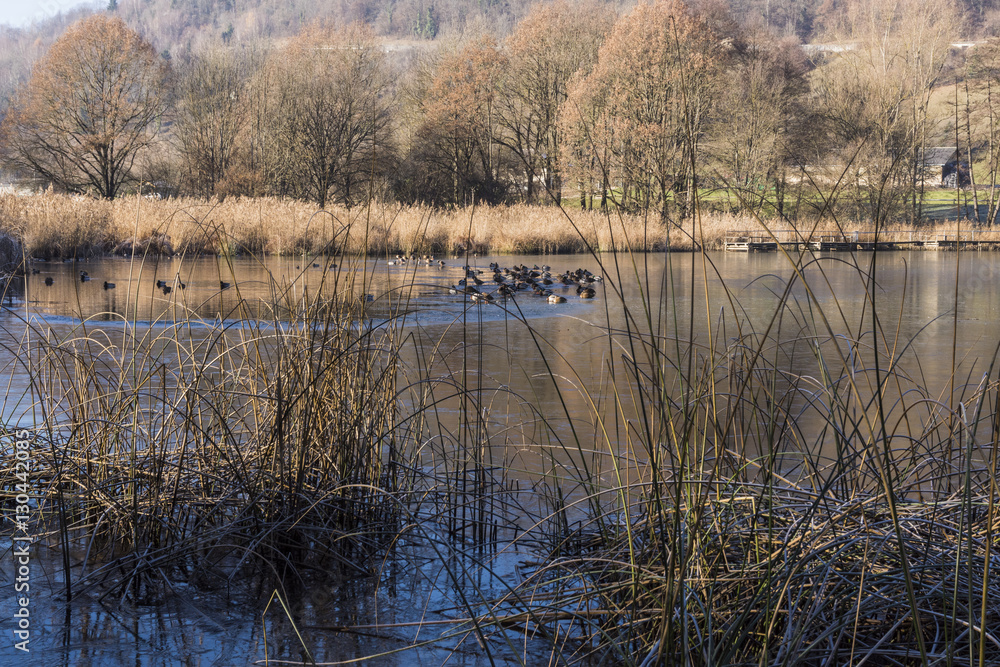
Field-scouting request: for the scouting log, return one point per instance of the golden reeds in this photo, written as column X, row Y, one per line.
column 54, row 225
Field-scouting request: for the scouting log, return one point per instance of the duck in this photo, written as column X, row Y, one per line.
column 161, row 283
column 224, row 285
column 49, row 281
column 555, row 298
column 586, row 292
column 108, row 285
column 541, row 291
column 479, row 297
column 167, row 289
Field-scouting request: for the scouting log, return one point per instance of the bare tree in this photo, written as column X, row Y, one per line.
column 873, row 98
column 333, row 107
column 91, row 105
column 754, row 137
column 212, row 112
column 982, row 95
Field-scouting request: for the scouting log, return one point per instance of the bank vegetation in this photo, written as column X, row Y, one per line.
column 59, row 226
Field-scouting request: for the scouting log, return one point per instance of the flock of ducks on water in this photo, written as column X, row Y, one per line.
column 162, row 285
column 503, row 283
column 506, row 282
column 423, row 260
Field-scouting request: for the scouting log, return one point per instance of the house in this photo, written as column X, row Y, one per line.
column 943, row 167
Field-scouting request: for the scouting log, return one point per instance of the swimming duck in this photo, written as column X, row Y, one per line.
column 108, row 285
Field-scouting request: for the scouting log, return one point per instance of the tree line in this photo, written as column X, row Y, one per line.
column 641, row 110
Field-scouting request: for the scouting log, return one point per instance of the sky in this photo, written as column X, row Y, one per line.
column 20, row 13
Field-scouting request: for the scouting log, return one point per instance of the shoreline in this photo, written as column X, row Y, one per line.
column 57, row 227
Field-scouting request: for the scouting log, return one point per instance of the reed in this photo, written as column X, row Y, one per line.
column 53, row 225
column 727, row 511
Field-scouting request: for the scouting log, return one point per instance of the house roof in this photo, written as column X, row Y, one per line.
column 938, row 156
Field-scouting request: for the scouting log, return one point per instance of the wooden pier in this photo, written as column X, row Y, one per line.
column 833, row 243
column 758, row 241
column 749, row 242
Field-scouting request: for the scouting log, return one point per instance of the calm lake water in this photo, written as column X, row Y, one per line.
column 526, row 353
column 520, row 359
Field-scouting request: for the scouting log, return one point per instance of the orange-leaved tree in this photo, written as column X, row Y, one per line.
column 634, row 124
column 91, row 106
column 457, row 140
column 549, row 46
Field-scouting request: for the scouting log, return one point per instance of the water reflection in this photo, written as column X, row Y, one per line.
column 556, row 371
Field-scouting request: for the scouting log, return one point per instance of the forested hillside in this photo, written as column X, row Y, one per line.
column 177, row 27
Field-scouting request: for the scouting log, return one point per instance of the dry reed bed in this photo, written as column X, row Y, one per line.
column 775, row 572
column 56, row 226
column 53, row 225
